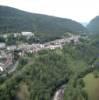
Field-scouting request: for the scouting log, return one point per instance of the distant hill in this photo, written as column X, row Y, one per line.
column 93, row 26
column 14, row 20
column 84, row 24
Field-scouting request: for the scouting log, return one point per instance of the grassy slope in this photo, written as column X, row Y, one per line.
column 92, row 86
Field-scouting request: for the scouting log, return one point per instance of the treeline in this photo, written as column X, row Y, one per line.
column 11, row 39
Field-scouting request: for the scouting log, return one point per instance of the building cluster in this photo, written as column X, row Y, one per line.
column 7, row 56
column 31, row 48
column 6, row 60
column 27, row 34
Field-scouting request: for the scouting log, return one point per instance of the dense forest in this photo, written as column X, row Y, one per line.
column 39, row 75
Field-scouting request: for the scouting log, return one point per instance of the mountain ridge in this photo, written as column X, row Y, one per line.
column 13, row 19
column 93, row 25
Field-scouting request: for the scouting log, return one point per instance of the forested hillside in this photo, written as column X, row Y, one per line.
column 93, row 26
column 13, row 20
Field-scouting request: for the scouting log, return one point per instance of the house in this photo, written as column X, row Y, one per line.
column 1, row 69
column 53, row 47
column 2, row 45
column 11, row 48
column 28, row 34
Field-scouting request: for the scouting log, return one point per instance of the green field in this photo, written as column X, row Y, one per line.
column 92, row 86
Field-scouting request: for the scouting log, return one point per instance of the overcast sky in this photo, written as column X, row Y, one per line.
column 79, row 10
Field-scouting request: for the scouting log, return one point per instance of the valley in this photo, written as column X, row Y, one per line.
column 23, row 49
column 47, row 58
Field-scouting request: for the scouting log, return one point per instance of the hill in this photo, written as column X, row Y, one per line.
column 93, row 26
column 14, row 20
column 39, row 75
column 85, row 24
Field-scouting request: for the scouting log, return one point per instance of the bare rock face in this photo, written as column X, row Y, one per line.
column 59, row 95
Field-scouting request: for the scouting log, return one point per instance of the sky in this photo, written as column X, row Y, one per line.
column 79, row 10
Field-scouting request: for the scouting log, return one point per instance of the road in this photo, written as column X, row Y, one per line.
column 13, row 68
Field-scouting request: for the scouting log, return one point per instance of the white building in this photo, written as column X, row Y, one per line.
column 1, row 69
column 52, row 47
column 11, row 48
column 2, row 45
column 27, row 34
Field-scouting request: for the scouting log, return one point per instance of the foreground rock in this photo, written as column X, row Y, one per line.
column 59, row 95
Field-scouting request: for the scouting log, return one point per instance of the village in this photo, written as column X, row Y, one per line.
column 7, row 59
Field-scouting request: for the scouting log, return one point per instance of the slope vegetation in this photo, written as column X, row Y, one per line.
column 93, row 26
column 14, row 20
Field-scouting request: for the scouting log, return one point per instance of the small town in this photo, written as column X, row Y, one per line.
column 49, row 49
column 7, row 52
